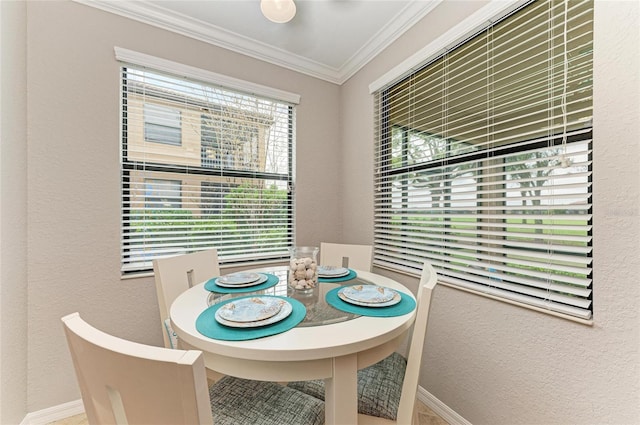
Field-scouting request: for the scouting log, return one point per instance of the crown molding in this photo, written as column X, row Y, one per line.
column 397, row 26
column 160, row 17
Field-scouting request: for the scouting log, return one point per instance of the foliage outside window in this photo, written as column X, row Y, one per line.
column 483, row 162
column 203, row 166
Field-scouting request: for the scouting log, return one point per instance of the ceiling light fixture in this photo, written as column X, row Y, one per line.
column 278, row 11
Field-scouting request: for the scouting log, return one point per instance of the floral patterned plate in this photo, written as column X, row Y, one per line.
column 239, row 278
column 284, row 310
column 250, row 309
column 369, row 295
column 332, row 271
column 263, row 278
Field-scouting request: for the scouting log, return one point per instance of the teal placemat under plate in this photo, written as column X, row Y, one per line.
column 352, row 275
column 211, row 285
column 207, row 325
column 406, row 305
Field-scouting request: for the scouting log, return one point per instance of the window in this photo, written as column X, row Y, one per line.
column 225, row 141
column 483, row 162
column 162, row 194
column 162, row 124
column 203, row 166
column 213, row 197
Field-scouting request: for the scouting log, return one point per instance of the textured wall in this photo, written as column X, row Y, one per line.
column 73, row 171
column 494, row 363
column 13, row 213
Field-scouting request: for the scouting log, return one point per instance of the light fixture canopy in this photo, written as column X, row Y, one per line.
column 278, row 11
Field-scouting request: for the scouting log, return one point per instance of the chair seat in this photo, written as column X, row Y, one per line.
column 379, row 387
column 236, row 401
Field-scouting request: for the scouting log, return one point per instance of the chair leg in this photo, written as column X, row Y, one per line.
column 213, row 376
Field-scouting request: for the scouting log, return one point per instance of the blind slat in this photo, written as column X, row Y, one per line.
column 483, row 161
column 203, row 166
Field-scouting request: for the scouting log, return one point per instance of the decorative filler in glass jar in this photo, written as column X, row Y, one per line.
column 303, row 268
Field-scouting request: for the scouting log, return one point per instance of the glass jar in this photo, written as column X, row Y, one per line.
column 303, row 268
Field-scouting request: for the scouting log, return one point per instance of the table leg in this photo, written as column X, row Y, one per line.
column 341, row 392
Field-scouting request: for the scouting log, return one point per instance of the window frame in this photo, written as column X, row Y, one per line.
column 162, row 170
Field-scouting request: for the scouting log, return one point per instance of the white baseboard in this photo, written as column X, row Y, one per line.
column 72, row 408
column 444, row 411
column 54, row 413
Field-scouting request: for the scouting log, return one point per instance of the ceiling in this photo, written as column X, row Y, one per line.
column 327, row 39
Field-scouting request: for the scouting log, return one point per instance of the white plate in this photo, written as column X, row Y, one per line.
column 239, row 278
column 263, row 278
column 332, row 271
column 285, row 311
column 373, row 294
column 250, row 309
column 395, row 300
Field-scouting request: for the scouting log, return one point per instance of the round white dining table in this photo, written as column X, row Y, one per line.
column 328, row 344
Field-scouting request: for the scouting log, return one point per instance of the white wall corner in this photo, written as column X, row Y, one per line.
column 54, row 413
column 444, row 411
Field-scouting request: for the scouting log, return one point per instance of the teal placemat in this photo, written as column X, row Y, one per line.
column 352, row 275
column 207, row 325
column 211, row 285
column 406, row 305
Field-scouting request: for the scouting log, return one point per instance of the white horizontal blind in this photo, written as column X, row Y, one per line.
column 203, row 166
column 483, row 161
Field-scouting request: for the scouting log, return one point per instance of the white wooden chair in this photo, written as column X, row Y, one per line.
column 387, row 390
column 345, row 255
column 124, row 382
column 174, row 275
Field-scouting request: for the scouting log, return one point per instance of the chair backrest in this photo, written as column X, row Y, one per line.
column 428, row 281
column 358, row 256
column 123, row 382
column 174, row 275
